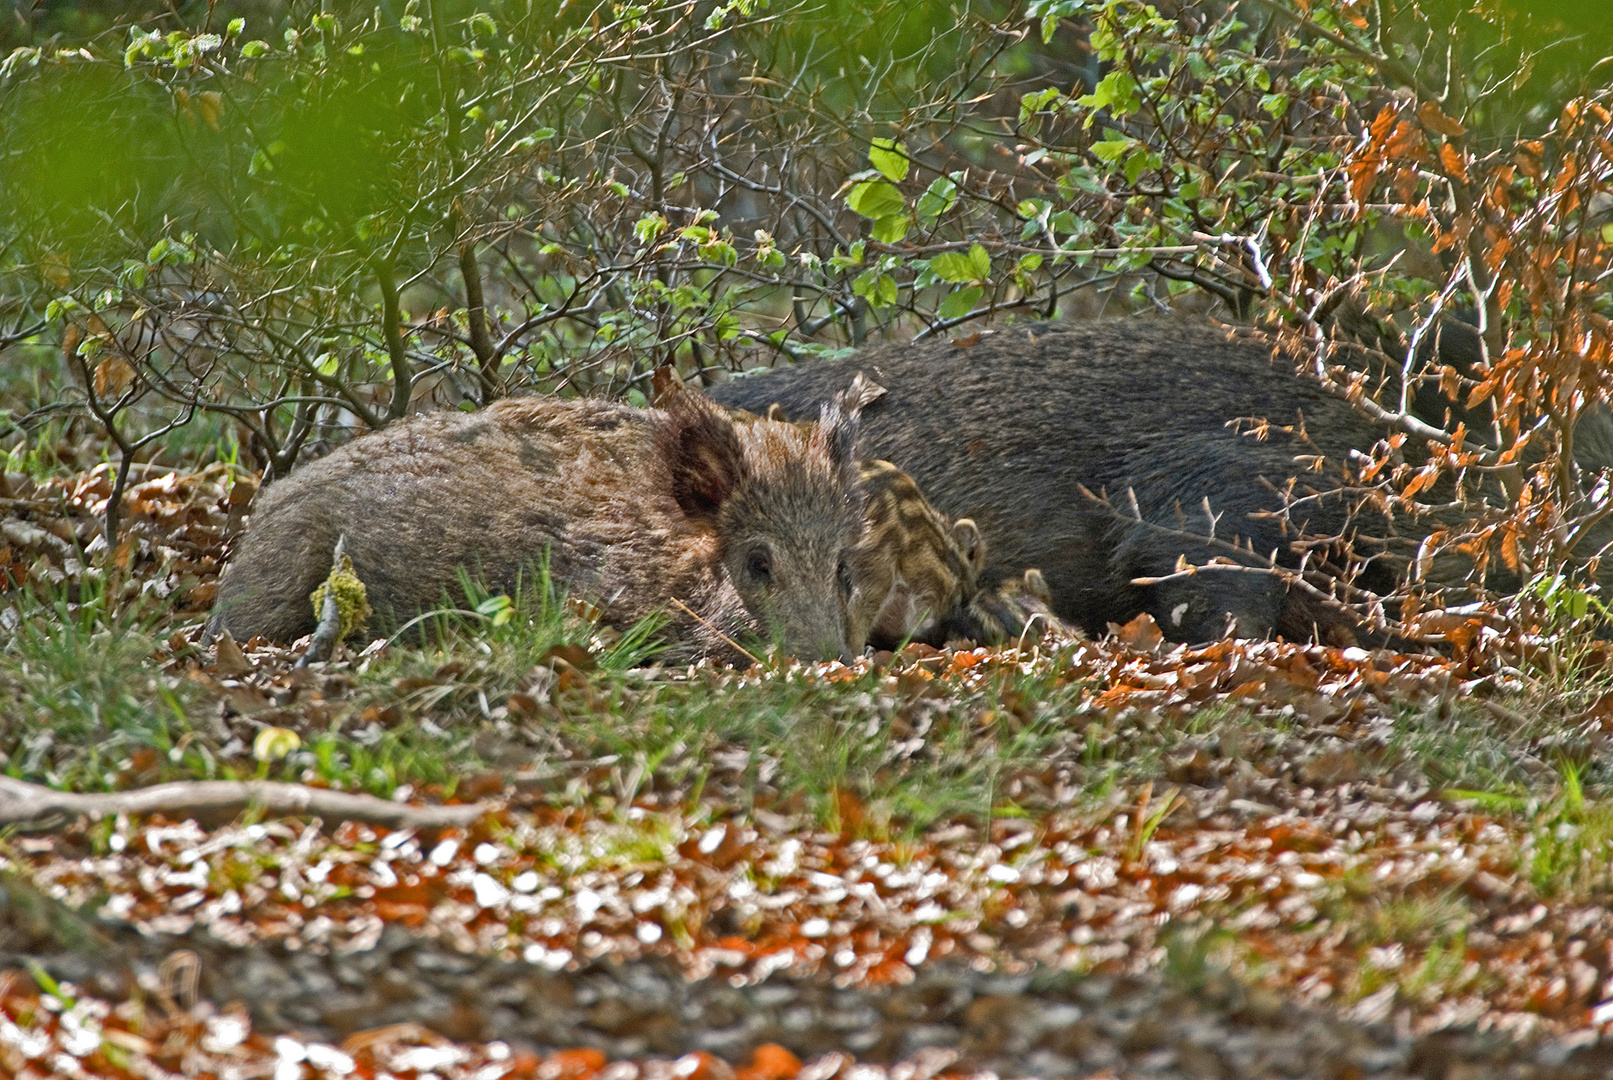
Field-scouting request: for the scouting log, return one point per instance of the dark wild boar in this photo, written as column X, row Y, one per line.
column 750, row 526
column 1006, row 431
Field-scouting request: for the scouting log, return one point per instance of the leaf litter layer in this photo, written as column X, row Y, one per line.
column 1414, row 840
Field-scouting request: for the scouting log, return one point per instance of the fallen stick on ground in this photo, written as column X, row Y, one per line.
column 24, row 802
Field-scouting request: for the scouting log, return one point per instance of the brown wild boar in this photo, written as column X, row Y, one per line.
column 749, row 526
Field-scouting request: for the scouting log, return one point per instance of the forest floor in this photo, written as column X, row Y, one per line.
column 1063, row 858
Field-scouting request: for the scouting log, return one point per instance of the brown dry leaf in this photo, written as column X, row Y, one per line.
column 1435, row 119
column 1329, row 770
column 113, row 377
column 574, row 656
column 1141, row 633
column 1454, row 160
column 210, row 104
column 229, row 659
column 1407, row 143
column 54, row 266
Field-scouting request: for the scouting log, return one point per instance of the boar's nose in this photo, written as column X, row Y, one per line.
column 828, row 647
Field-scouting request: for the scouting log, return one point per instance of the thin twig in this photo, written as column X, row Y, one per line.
column 737, row 646
column 24, row 802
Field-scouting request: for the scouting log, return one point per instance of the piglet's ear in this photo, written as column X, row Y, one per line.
column 703, row 450
column 970, row 542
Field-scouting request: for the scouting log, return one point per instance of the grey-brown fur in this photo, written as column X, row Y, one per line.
column 1008, row 430
column 747, row 525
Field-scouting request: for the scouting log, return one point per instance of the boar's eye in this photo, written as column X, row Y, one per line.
column 759, row 564
column 843, row 577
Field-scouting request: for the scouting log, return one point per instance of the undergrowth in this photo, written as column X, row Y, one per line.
column 100, row 696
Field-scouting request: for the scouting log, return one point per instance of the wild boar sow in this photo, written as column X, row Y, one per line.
column 1008, row 430
column 749, row 526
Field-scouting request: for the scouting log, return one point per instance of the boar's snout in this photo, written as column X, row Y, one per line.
column 798, row 593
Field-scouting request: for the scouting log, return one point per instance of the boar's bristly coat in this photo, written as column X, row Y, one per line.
column 1011, row 429
column 639, row 510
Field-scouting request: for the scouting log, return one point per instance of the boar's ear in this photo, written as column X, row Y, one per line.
column 836, row 433
column 664, row 385
column 707, row 462
column 863, row 392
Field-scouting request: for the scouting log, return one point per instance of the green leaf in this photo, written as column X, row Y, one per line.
column 274, row 743
column 980, row 262
column 951, row 266
column 482, row 24
column 891, row 230
column 1117, row 92
column 324, row 22
column 1034, row 102
column 958, row 266
column 961, row 302
column 879, row 289
column 875, row 199
column 1112, row 148
column 887, row 292
column 235, row 27
column 937, row 200
column 887, row 156
column 719, row 251
column 650, row 226
column 1139, row 163
column 254, row 48
column 498, row 608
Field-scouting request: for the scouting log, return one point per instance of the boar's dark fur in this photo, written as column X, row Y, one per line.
column 1009, row 429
